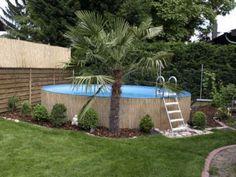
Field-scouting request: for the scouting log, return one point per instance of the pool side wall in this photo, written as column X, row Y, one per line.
column 131, row 109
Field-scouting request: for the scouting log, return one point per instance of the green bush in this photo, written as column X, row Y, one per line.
column 223, row 113
column 146, row 124
column 13, row 103
column 224, row 97
column 26, row 108
column 199, row 120
column 40, row 113
column 58, row 115
column 89, row 120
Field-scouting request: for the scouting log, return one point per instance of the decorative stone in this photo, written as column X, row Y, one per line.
column 74, row 120
column 92, row 130
column 185, row 133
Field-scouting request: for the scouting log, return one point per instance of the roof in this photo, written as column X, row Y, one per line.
column 226, row 38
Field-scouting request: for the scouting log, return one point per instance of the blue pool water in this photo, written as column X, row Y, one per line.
column 128, row 91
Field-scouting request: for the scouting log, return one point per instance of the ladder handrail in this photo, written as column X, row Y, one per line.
column 159, row 78
column 173, row 78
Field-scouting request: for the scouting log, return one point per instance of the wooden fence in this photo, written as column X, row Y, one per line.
column 26, row 83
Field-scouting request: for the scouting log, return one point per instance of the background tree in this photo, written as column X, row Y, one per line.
column 18, row 22
column 180, row 18
column 135, row 12
column 102, row 6
column 46, row 21
column 52, row 19
column 107, row 44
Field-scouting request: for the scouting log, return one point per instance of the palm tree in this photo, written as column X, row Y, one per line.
column 102, row 48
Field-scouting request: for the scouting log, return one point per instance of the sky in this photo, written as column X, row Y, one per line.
column 225, row 23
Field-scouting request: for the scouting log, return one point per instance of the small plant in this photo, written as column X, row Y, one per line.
column 26, row 108
column 146, row 124
column 58, row 115
column 13, row 103
column 89, row 120
column 199, row 120
column 40, row 112
column 223, row 113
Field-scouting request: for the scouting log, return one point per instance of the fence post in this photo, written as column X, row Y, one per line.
column 54, row 77
column 30, row 86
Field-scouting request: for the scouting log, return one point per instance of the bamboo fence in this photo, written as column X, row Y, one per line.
column 131, row 112
column 22, row 54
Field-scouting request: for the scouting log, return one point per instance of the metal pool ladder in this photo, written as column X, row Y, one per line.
column 174, row 113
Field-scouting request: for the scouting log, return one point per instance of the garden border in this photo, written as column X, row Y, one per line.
column 205, row 172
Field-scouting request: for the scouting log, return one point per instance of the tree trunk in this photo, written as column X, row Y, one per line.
column 115, row 102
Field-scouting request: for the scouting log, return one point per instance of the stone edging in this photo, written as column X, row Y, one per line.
column 224, row 125
column 205, row 172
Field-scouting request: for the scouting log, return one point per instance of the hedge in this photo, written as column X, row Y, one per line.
column 186, row 64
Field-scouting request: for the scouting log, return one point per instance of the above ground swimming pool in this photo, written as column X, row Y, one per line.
column 128, row 91
column 136, row 102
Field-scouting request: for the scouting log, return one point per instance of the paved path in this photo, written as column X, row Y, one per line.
column 224, row 163
column 221, row 163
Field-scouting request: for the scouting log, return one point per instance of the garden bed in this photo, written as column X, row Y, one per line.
column 210, row 112
column 99, row 131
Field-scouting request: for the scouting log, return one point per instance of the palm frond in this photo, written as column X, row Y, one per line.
column 154, row 62
column 172, row 87
column 153, row 32
column 90, row 23
column 88, row 104
column 89, row 80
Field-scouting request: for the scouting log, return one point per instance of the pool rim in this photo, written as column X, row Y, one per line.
column 182, row 94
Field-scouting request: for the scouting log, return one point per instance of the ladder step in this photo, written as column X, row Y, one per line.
column 171, row 103
column 179, row 128
column 175, row 111
column 177, row 120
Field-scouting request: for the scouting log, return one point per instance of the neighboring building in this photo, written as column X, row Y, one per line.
column 226, row 38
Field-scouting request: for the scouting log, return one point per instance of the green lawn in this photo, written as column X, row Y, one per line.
column 27, row 150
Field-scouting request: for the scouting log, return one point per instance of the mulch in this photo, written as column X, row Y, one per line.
column 210, row 112
column 99, row 131
column 103, row 131
column 124, row 133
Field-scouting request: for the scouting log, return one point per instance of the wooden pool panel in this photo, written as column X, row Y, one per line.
column 131, row 109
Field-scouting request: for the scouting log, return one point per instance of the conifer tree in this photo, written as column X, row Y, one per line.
column 53, row 18
column 18, row 22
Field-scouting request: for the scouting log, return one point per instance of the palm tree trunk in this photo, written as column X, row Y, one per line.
column 115, row 102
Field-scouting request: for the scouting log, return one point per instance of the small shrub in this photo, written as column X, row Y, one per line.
column 40, row 112
column 89, row 120
column 223, row 113
column 146, row 124
column 13, row 103
column 58, row 115
column 199, row 120
column 26, row 108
